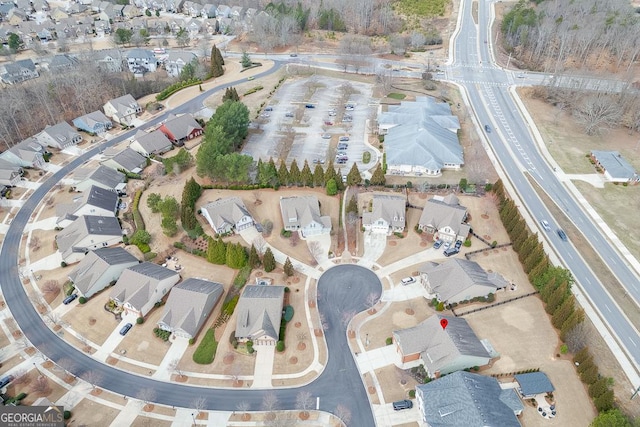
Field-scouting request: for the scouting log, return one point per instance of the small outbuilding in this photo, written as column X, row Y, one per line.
column 533, row 383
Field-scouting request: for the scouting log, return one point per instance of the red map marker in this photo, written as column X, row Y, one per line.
column 444, row 323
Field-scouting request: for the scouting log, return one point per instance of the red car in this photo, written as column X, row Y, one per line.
column 328, row 123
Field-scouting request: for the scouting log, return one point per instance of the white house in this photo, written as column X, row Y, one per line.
column 176, row 60
column 445, row 218
column 141, row 286
column 86, row 233
column 141, row 61
column 60, row 136
column 97, row 201
column 122, row 110
column 302, row 214
column 99, row 268
column 387, row 214
column 101, row 176
column 150, row 143
column 227, row 214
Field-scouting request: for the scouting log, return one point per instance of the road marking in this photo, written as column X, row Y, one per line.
column 607, row 307
column 634, row 343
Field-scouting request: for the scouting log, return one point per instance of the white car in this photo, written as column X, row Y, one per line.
column 545, row 225
column 407, row 280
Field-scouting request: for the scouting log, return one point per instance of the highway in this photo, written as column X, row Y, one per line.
column 510, row 138
column 342, row 289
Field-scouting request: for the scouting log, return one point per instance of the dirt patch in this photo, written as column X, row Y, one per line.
column 89, row 412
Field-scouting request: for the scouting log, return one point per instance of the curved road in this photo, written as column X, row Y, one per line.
column 341, row 289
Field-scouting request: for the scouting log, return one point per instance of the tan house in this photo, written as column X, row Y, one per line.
column 99, row 268
column 445, row 218
column 227, row 214
column 387, row 214
column 259, row 313
column 122, row 110
column 302, row 214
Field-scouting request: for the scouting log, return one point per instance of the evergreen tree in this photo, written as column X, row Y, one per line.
column 219, row 57
column 153, row 202
column 605, row 401
column 378, row 176
column 611, row 418
column 354, row 177
column 352, row 205
column 563, row 312
column 332, row 187
column 217, row 251
column 318, row 176
column 306, row 177
column 294, row 173
column 498, row 188
column 539, row 269
column 230, row 94
column 582, row 355
column 288, row 268
column 590, row 375
column 599, row 387
column 273, row 172
column 557, row 298
column 586, row 365
column 254, row 258
column 574, row 319
column 330, row 173
column 268, row 261
column 283, row 174
column 236, row 256
column 216, row 63
column 190, row 194
column 169, row 226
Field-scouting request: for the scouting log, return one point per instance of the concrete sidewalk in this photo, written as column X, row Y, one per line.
column 178, row 346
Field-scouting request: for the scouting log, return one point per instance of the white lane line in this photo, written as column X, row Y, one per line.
column 607, row 307
column 634, row 343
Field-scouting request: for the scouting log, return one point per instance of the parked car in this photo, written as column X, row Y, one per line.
column 349, row 107
column 451, row 251
column 343, row 138
column 69, row 299
column 562, row 235
column 437, row 244
column 343, row 146
column 344, row 179
column 328, row 123
column 407, row 280
column 458, row 244
column 332, row 113
column 288, row 114
column 402, row 404
column 125, row 329
column 487, row 128
column 293, row 55
column 446, row 245
column 269, row 108
column 326, row 136
column 309, row 106
column 545, row 225
column 6, row 380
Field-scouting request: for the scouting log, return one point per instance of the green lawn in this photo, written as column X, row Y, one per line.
column 394, row 95
column 206, row 350
column 423, row 8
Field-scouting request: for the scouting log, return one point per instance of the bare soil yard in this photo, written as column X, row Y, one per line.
column 141, row 343
column 91, row 320
column 89, row 412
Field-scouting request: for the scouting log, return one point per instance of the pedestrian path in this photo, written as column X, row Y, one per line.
column 377, row 358
column 263, row 368
column 174, row 354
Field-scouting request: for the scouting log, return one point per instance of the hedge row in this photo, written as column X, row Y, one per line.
column 253, row 90
column 176, row 87
column 137, row 218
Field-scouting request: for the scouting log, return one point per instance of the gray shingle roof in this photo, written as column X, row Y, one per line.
column 84, row 226
column 534, row 383
column 154, row 142
column 259, row 311
column 181, row 127
column 226, row 212
column 441, row 212
column 140, row 54
column 301, row 211
column 466, row 399
column 108, row 177
column 190, row 303
column 455, row 275
column 440, row 347
column 391, row 208
column 96, row 263
column 129, row 159
column 61, row 132
column 614, row 164
column 96, row 196
column 137, row 284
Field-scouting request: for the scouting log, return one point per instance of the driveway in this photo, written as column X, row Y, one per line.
column 374, row 246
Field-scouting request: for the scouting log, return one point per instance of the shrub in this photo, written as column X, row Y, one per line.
column 21, row 396
column 491, row 297
column 494, row 244
column 140, row 320
column 253, row 90
column 440, row 306
column 288, row 313
column 250, row 349
column 67, row 415
column 412, row 394
column 192, row 341
column 280, row 346
column 206, row 351
column 229, row 306
column 82, row 300
column 170, row 90
column 389, row 340
column 63, row 264
column 467, row 243
column 366, row 157
column 564, row 349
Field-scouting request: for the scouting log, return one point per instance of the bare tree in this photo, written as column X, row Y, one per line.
column 243, row 406
column 576, row 338
column 174, row 365
column 67, row 365
column 234, row 372
column 343, row 413
column 21, row 376
column 294, row 239
column 34, row 243
column 346, row 317
column 304, row 401
column 301, row 336
column 93, row 378
column 597, row 112
column 51, row 287
column 147, row 395
column 372, row 299
column 256, row 197
column 199, row 404
column 41, row 386
column 269, row 402
column 323, row 322
column 315, row 248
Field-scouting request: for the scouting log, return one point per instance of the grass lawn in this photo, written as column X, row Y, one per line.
column 394, row 95
column 206, row 350
column 424, row 8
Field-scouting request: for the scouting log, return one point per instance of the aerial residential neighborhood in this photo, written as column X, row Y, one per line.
column 313, row 214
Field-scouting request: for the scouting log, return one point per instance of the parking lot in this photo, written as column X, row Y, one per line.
column 306, row 118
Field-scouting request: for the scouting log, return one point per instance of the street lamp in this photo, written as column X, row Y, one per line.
column 194, row 418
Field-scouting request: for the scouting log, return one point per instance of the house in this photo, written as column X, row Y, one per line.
column 141, row 61
column 227, row 214
column 259, row 312
column 387, row 214
column 127, row 160
column 615, row 167
column 420, row 138
column 96, row 201
column 102, row 176
column 10, row 174
column 59, row 63
column 176, row 60
column 459, row 280
column 466, row 399
column 130, row 11
column 150, row 143
column 141, row 286
column 17, row 16
column 189, row 305
column 209, row 11
column 442, row 350
column 26, row 154
column 100, row 268
column 303, row 214
column 223, row 11
column 19, row 71
column 58, row 14
column 59, row 136
column 122, row 110
column 181, row 129
column 86, row 233
column 532, row 384
column 445, row 218
column 236, row 13
column 94, row 123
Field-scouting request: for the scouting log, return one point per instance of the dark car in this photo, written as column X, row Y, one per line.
column 562, row 235
column 293, row 55
column 309, row 106
column 69, row 299
column 125, row 329
column 451, row 251
column 402, row 404
column 6, row 380
column 458, row 244
column 437, row 244
column 487, row 128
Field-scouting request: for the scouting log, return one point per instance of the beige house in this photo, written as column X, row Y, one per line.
column 86, row 233
column 99, row 268
column 458, row 280
column 96, row 201
column 122, row 110
column 227, row 214
column 387, row 214
column 141, row 286
column 302, row 214
column 59, row 136
column 189, row 305
column 445, row 218
column 259, row 313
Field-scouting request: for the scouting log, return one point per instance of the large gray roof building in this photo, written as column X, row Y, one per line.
column 101, row 176
column 259, row 312
column 302, row 213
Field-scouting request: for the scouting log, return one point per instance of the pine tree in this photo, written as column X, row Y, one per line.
column 339, row 183
column 354, row 177
column 586, row 365
column 219, row 57
column 306, row 177
column 273, row 172
column 378, row 176
column 352, row 205
column 557, row 298
column 236, row 256
column 211, row 243
column 330, row 173
column 498, row 188
column 218, row 253
column 288, row 268
column 605, row 401
column 582, row 355
column 283, row 174
column 599, row 387
column 574, row 319
column 190, row 194
column 254, row 258
column 216, row 62
column 563, row 312
column 294, row 173
column 268, row 261
column 590, row 375
column 318, row 176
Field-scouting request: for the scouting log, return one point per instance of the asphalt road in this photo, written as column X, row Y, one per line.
column 343, row 289
column 487, row 90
